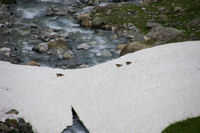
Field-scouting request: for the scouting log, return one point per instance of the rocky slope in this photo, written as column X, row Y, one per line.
column 160, row 21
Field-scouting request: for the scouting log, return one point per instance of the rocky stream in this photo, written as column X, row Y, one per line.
column 47, row 33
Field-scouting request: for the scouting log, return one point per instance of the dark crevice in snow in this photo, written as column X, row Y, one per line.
column 77, row 126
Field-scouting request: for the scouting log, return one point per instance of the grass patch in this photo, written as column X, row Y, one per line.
column 162, row 12
column 191, row 125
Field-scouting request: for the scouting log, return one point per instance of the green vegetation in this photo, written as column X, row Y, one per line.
column 169, row 13
column 191, row 125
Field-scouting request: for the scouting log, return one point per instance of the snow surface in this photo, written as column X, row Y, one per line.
column 161, row 86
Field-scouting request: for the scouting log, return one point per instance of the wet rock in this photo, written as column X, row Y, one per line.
column 106, row 53
column 45, row 34
column 114, row 37
column 57, row 45
column 34, row 25
column 5, row 49
column 163, row 35
column 23, row 33
column 56, row 11
column 33, row 63
column 65, row 35
column 41, row 48
column 68, row 55
column 12, row 111
column 11, row 122
column 85, row 19
column 132, row 47
column 60, row 56
column 83, row 46
column 71, row 9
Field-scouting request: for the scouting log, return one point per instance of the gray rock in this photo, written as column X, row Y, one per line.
column 163, row 35
column 106, row 53
column 132, row 47
column 83, row 46
column 68, row 55
column 57, row 45
column 65, row 35
column 97, row 22
column 60, row 56
column 41, row 48
column 151, row 24
column 194, row 23
column 5, row 49
column 84, row 19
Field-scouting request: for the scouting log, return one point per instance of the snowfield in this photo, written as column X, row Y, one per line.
column 160, row 86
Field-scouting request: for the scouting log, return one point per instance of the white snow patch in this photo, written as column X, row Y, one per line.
column 161, row 86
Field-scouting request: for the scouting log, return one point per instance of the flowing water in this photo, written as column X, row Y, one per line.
column 102, row 43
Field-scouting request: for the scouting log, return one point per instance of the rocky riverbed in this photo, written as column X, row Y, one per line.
column 48, row 34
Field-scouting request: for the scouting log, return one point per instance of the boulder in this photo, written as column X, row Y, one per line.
column 163, row 34
column 132, row 47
